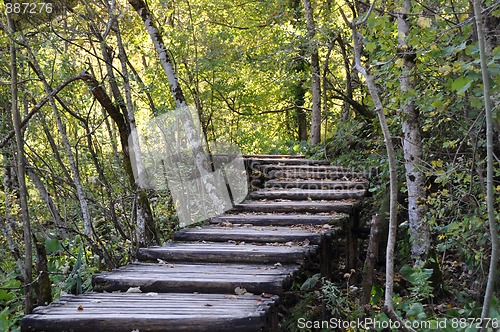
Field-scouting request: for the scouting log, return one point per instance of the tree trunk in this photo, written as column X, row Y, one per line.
column 7, row 222
column 39, row 105
column 371, row 257
column 87, row 219
column 141, row 8
column 44, row 290
column 316, row 75
column 143, row 206
column 490, row 195
column 146, row 229
column 346, row 108
column 21, row 176
column 412, row 144
column 299, row 65
column 58, row 221
column 193, row 135
column 391, row 156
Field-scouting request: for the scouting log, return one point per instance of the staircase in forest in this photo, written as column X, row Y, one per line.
column 228, row 275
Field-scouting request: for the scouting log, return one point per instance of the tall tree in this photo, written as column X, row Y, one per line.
column 21, row 173
column 299, row 66
column 412, row 141
column 75, row 172
column 316, row 75
column 146, row 230
column 490, row 195
column 391, row 156
column 194, row 135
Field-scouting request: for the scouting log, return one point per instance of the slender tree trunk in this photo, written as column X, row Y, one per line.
column 141, row 8
column 346, row 108
column 193, row 135
column 412, row 143
column 391, row 156
column 146, row 230
column 122, row 122
column 44, row 290
column 87, row 219
column 39, row 105
column 371, row 257
column 123, row 129
column 326, row 69
column 42, row 190
column 299, row 66
column 55, row 149
column 490, row 194
column 102, row 177
column 21, row 176
column 316, row 75
column 7, row 222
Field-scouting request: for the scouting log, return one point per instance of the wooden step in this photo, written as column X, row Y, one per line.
column 250, row 234
column 173, row 312
column 317, row 184
column 296, row 206
column 201, row 278
column 275, row 219
column 308, row 168
column 285, row 161
column 216, row 252
column 298, row 194
column 334, row 175
column 273, row 156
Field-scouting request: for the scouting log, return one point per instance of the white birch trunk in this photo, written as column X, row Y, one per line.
column 393, row 203
column 193, row 135
column 412, row 144
column 134, row 137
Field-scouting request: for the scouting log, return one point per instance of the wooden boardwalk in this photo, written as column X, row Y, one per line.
column 228, row 275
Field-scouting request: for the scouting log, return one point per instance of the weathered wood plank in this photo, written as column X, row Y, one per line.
column 308, row 194
column 192, row 270
column 286, row 161
column 215, row 252
column 224, row 279
column 276, row 219
column 314, row 175
column 106, row 312
column 296, row 206
column 305, row 167
column 273, row 156
column 247, row 234
column 317, row 184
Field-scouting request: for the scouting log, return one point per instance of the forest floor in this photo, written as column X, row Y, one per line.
column 456, row 296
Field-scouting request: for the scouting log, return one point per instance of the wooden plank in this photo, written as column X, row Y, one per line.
column 308, row 194
column 215, row 252
column 151, row 323
column 107, row 312
column 273, row 156
column 296, row 206
column 312, row 168
column 224, row 279
column 276, row 219
column 247, row 234
column 317, row 184
column 315, row 175
column 285, row 161
column 192, row 270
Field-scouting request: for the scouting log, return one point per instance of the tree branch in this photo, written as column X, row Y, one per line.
column 41, row 103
